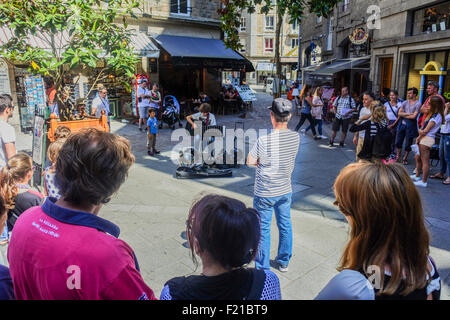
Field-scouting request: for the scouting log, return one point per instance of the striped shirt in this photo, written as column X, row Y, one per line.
column 276, row 153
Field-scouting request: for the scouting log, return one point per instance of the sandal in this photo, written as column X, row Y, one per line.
column 437, row 176
column 447, row 183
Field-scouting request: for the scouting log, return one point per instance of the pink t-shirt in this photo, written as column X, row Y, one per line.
column 57, row 253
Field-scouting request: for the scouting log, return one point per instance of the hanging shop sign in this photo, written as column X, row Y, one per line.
column 359, row 36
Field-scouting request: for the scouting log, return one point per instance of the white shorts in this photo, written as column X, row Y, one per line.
column 143, row 112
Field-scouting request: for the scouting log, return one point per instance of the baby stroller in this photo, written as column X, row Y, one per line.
column 170, row 112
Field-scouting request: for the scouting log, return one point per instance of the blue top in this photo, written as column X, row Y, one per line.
column 6, row 285
column 153, row 124
column 306, row 107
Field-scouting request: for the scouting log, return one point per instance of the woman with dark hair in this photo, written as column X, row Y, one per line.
column 6, row 284
column 387, row 256
column 426, row 139
column 307, row 102
column 225, row 234
column 62, row 250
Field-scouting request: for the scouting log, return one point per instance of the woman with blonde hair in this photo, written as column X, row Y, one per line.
column 387, row 256
column 378, row 122
column 15, row 189
column 426, row 140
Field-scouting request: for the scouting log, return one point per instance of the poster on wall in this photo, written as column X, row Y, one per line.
column 5, row 86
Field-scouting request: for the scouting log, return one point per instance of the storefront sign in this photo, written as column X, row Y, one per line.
column 246, row 93
column 359, row 36
column 4, row 78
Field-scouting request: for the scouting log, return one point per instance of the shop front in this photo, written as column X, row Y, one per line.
column 189, row 65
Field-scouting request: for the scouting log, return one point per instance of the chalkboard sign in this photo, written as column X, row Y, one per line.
column 246, row 93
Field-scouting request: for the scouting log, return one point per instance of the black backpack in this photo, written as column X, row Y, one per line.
column 381, row 147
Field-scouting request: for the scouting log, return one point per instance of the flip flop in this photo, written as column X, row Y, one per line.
column 437, row 176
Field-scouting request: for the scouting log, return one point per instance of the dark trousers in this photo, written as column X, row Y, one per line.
column 402, row 134
column 303, row 117
column 151, row 141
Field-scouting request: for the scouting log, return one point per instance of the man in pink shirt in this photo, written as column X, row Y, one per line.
column 63, row 250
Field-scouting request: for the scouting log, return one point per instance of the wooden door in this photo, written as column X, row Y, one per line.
column 386, row 73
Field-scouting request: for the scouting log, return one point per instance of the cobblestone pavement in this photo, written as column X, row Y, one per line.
column 152, row 206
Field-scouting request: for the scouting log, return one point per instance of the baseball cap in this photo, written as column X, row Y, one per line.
column 281, row 107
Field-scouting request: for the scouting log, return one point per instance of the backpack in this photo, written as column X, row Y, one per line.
column 381, row 147
column 290, row 97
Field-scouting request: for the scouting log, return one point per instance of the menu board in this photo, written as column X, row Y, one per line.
column 246, row 93
column 4, row 78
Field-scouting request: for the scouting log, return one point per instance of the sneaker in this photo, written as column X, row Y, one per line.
column 303, row 131
column 157, row 152
column 415, row 171
column 415, row 178
column 150, row 153
column 323, row 137
column 283, row 268
column 341, row 144
column 331, row 144
column 420, row 184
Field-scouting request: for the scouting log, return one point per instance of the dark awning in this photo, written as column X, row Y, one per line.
column 202, row 52
column 342, row 64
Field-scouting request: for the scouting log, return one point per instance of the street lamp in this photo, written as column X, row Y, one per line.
column 299, row 60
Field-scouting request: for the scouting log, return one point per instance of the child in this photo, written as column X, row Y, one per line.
column 62, row 132
column 152, row 127
column 51, row 190
column 15, row 187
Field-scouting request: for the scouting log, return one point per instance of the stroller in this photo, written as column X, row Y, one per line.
column 170, row 112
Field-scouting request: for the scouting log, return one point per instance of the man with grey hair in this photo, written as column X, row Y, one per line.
column 432, row 90
column 274, row 155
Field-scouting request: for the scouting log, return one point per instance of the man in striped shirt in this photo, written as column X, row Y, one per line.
column 274, row 157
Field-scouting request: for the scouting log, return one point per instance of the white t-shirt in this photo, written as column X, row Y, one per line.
column 364, row 112
column 143, row 91
column 100, row 104
column 391, row 116
column 199, row 117
column 7, row 135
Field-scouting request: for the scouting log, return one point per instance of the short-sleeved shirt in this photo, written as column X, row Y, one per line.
column 6, row 284
column 144, row 102
column 410, row 108
column 392, row 110
column 22, row 202
column 100, row 104
column 276, row 153
column 364, row 112
column 343, row 106
column 353, row 285
column 63, row 254
column 7, row 135
column 437, row 119
column 200, row 117
column 153, row 124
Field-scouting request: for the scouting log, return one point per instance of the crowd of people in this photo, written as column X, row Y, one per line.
column 60, row 248
column 384, row 127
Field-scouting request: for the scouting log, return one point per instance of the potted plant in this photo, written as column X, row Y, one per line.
column 75, row 37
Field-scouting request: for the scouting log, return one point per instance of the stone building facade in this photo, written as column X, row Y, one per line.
column 413, row 35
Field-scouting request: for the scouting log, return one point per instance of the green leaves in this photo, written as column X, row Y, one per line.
column 78, row 33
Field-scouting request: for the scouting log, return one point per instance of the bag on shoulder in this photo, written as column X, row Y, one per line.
column 381, row 147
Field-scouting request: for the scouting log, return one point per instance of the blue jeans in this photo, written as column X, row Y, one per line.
column 444, row 154
column 282, row 207
column 319, row 126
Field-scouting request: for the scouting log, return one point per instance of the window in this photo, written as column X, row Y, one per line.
column 294, row 43
column 345, row 5
column 268, row 45
column 243, row 49
column 243, row 25
column 295, row 25
column 269, row 25
column 432, row 19
column 319, row 19
column 330, row 34
column 182, row 7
